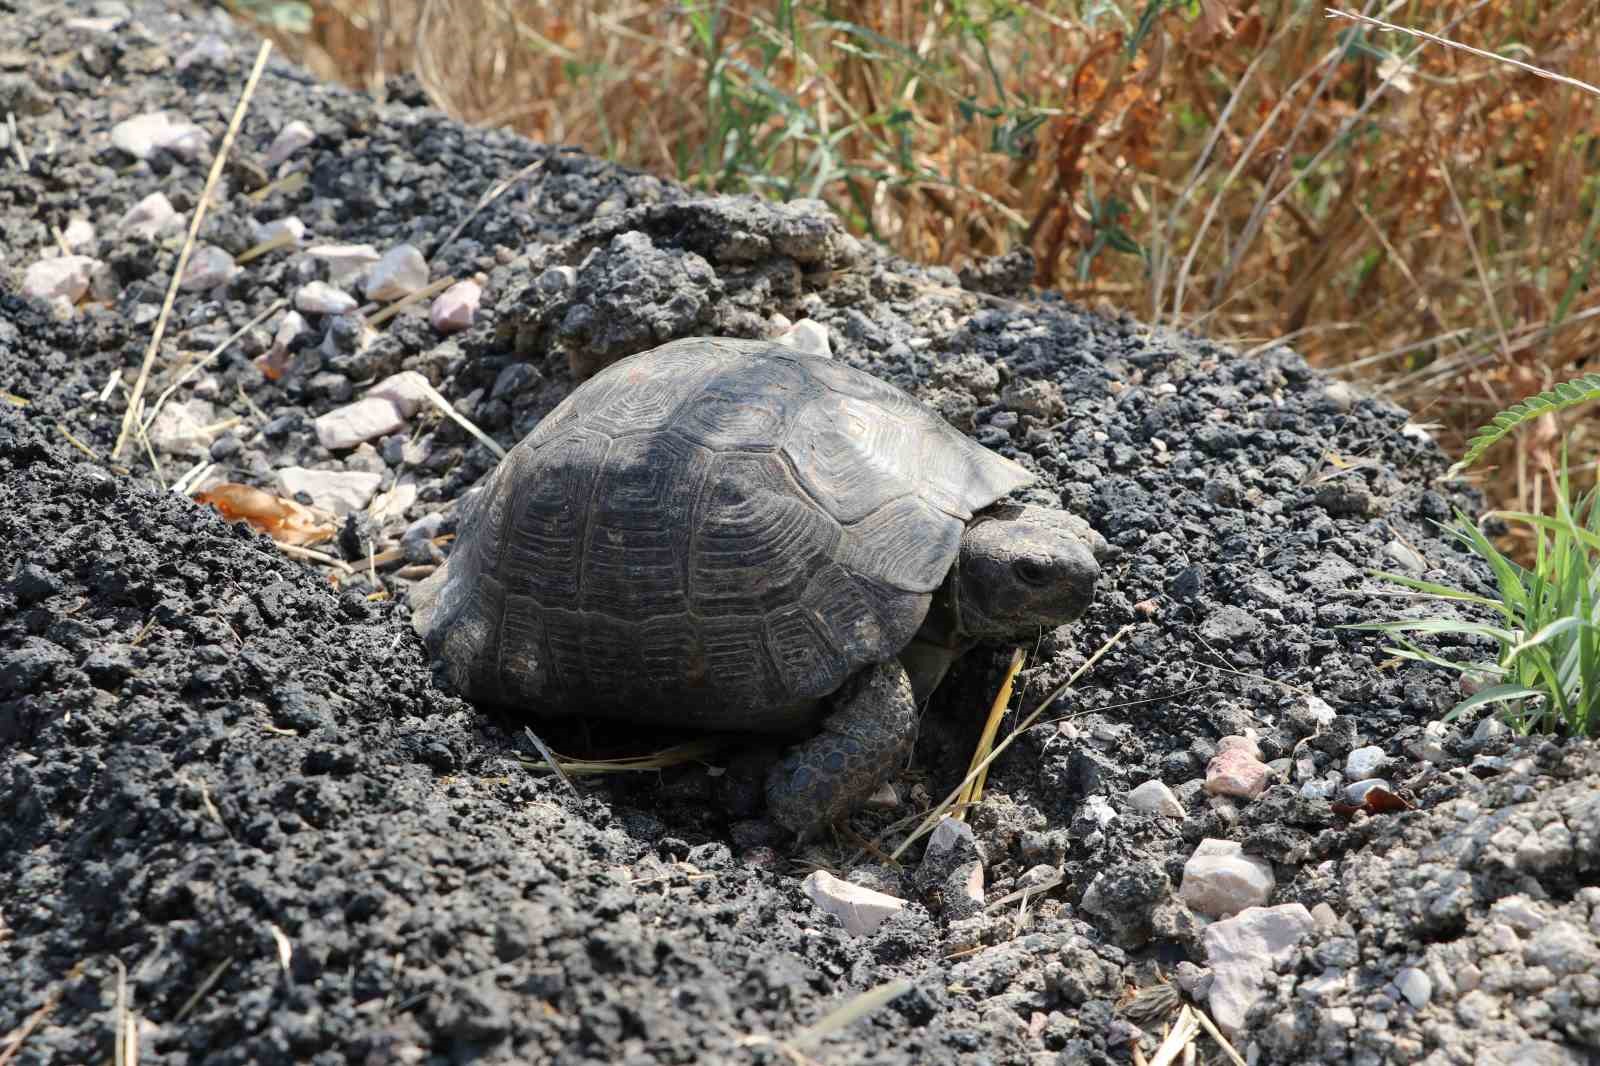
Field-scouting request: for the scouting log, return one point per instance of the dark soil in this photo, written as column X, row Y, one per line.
column 232, row 776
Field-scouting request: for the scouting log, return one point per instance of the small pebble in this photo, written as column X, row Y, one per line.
column 339, row 491
column 345, row 262
column 1415, row 985
column 1235, row 772
column 144, row 135
column 320, row 298
column 860, row 909
column 65, row 277
column 149, row 216
column 289, row 229
column 208, row 267
column 293, row 137
column 1366, row 762
column 79, row 232
column 454, row 309
column 1220, row 880
column 1155, row 797
column 401, row 272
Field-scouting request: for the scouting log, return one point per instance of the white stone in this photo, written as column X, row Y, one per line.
column 1405, row 557
column 149, row 216
column 394, row 503
column 1100, row 809
column 1490, row 729
column 208, row 267
column 1415, row 985
column 339, row 491
column 288, row 229
column 810, row 336
column 320, row 298
column 861, row 910
column 1155, row 797
column 65, row 277
column 1320, row 788
column 79, row 232
column 401, row 272
column 293, row 137
column 365, row 419
column 1321, row 711
column 1327, row 918
column 1356, row 792
column 345, row 261
column 454, row 309
column 292, row 325
column 180, row 428
column 1220, row 880
column 1519, row 912
column 144, row 135
column 1366, row 762
column 1243, row 950
column 407, row 390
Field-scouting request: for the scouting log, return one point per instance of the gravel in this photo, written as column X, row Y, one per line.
column 230, row 773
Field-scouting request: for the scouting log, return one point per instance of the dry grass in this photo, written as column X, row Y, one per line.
column 1423, row 216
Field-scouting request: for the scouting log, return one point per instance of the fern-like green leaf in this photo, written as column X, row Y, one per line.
column 1567, row 394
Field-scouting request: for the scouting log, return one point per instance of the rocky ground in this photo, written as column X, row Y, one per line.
column 242, row 821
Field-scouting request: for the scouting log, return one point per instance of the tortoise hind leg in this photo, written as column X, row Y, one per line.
column 861, row 745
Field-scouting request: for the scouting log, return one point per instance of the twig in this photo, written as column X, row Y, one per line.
column 460, row 419
column 192, row 477
column 1027, row 893
column 997, row 711
column 1477, row 258
column 144, row 438
column 126, row 1040
column 378, row 318
column 76, row 443
column 859, row 1007
column 938, row 812
column 1179, row 1037
column 550, row 760
column 205, row 986
column 1216, row 1034
column 494, row 193
column 131, row 415
column 19, row 1036
column 1333, row 13
column 16, row 141
column 218, row 350
column 316, row 557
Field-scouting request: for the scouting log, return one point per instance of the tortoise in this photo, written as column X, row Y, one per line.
column 734, row 536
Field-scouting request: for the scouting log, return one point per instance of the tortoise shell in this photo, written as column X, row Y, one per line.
column 714, row 534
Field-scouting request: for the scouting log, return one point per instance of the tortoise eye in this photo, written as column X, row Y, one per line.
column 1032, row 571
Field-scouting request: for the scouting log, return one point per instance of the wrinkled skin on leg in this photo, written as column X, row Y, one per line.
column 863, row 742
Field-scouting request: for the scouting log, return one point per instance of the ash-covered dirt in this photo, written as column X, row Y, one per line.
column 232, row 775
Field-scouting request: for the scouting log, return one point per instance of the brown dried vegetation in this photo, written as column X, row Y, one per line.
column 1421, row 217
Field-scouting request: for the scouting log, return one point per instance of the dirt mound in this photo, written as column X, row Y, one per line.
column 230, row 773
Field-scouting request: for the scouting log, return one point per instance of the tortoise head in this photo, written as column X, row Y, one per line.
column 1025, row 568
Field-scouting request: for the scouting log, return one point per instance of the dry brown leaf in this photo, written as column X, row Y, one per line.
column 272, row 364
column 285, row 521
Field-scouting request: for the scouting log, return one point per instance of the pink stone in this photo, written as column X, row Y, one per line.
column 455, row 308
column 1234, row 772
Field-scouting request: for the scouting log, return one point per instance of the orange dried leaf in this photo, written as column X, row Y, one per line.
column 285, row 521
